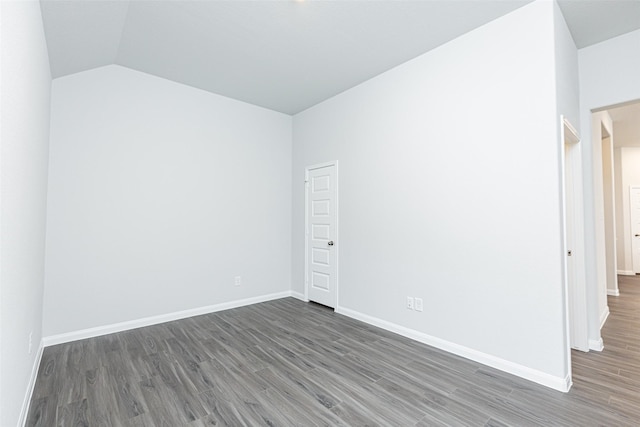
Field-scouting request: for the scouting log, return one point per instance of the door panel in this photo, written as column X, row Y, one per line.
column 635, row 227
column 321, row 235
column 569, row 239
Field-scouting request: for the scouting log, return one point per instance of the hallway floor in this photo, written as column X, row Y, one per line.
column 612, row 377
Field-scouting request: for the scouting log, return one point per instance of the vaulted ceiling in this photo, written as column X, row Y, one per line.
column 283, row 55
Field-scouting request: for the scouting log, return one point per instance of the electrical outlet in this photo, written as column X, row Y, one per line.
column 419, row 306
column 238, row 281
column 30, row 342
column 410, row 303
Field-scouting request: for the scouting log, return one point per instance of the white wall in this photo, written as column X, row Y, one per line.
column 629, row 176
column 608, row 75
column 25, row 84
column 567, row 102
column 627, row 131
column 449, row 190
column 567, row 78
column 159, row 194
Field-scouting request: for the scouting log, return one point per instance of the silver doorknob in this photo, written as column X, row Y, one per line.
column 330, row 243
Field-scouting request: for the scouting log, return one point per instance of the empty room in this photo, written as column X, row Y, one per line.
column 306, row 212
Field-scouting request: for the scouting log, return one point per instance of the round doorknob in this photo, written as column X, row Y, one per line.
column 330, row 243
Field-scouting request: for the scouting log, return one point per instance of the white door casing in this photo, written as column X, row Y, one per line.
column 609, row 217
column 634, row 217
column 321, row 237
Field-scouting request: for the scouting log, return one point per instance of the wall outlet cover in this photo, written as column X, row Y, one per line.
column 410, row 303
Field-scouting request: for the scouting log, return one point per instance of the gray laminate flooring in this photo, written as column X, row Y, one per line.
column 289, row 363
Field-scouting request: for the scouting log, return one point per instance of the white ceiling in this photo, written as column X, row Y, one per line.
column 593, row 21
column 283, row 55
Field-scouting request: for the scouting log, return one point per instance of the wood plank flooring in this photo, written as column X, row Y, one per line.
column 288, row 363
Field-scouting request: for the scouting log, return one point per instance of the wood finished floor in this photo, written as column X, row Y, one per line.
column 290, row 363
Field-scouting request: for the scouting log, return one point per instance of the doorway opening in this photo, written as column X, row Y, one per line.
column 626, row 148
column 615, row 137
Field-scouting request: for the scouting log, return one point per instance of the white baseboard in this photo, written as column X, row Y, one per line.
column 154, row 320
column 626, row 273
column 32, row 383
column 596, row 345
column 604, row 316
column 613, row 292
column 543, row 378
column 298, row 295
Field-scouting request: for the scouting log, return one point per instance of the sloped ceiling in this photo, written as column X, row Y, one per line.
column 282, row 55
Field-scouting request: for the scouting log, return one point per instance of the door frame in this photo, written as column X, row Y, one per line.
column 609, row 204
column 633, row 261
column 576, row 295
column 601, row 125
column 336, row 248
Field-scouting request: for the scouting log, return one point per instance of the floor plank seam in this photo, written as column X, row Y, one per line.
column 285, row 362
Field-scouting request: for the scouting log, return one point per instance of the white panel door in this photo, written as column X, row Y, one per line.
column 574, row 245
column 634, row 203
column 321, row 236
column 569, row 239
